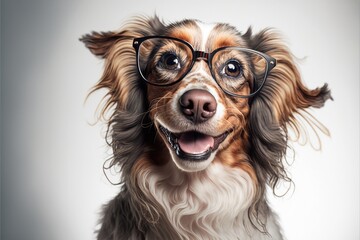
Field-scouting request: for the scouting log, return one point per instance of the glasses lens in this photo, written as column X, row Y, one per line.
column 236, row 68
column 164, row 61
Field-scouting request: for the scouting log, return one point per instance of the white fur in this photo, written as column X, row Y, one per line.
column 211, row 204
column 206, row 28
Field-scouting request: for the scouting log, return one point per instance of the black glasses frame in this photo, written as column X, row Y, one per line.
column 270, row 62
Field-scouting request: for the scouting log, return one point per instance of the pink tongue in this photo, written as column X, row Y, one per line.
column 195, row 143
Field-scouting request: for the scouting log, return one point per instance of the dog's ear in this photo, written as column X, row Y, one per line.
column 100, row 43
column 278, row 105
column 125, row 97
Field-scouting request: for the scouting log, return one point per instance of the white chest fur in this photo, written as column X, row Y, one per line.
column 211, row 204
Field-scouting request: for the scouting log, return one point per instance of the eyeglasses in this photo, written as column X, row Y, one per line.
column 164, row 61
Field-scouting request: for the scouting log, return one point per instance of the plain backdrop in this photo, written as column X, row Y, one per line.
column 52, row 184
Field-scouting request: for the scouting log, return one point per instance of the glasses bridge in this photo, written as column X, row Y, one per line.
column 201, row 55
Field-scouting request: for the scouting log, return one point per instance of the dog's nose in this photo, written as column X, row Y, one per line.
column 198, row 105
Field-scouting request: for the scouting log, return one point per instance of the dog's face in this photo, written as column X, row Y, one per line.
column 195, row 117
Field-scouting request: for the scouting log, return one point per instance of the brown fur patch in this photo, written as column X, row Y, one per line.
column 224, row 35
column 187, row 31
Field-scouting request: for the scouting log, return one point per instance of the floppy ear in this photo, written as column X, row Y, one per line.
column 126, row 95
column 283, row 98
column 100, row 43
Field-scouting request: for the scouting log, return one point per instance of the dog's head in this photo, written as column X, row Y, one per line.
column 199, row 80
column 209, row 93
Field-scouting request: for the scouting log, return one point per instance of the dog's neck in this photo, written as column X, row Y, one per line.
column 209, row 204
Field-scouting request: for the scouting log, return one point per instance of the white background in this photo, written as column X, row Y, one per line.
column 52, row 185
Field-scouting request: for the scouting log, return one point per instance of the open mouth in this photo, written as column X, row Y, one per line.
column 193, row 145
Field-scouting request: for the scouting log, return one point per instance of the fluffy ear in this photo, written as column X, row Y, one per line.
column 283, row 98
column 125, row 97
column 100, row 43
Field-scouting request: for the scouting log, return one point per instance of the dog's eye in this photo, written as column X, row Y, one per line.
column 169, row 61
column 232, row 69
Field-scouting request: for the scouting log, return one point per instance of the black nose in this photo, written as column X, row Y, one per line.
column 198, row 105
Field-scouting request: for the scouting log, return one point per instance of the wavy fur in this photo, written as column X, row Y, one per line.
column 225, row 201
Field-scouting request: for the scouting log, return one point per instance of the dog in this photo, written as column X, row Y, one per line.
column 199, row 127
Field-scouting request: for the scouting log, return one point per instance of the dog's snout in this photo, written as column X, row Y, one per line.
column 198, row 105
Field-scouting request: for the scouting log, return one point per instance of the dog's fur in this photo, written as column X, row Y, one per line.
column 223, row 198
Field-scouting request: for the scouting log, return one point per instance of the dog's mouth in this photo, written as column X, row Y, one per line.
column 193, row 145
